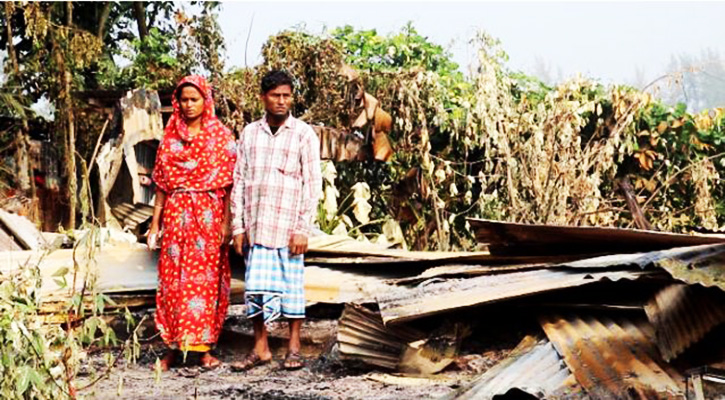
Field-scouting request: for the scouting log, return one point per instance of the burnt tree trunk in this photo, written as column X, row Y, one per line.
column 625, row 186
column 25, row 177
column 138, row 10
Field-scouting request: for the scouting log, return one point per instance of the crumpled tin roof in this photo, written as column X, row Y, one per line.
column 398, row 304
column 704, row 265
column 613, row 358
column 534, row 367
column 682, row 315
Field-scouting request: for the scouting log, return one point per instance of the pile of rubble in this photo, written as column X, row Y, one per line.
column 620, row 313
column 612, row 313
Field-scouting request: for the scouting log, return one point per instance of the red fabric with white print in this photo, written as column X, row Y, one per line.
column 194, row 276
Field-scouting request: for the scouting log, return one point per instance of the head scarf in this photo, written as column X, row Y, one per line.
column 202, row 162
column 177, row 121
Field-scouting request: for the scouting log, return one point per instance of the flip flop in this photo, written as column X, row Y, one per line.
column 250, row 361
column 293, row 361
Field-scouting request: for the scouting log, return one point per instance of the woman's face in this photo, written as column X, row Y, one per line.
column 191, row 102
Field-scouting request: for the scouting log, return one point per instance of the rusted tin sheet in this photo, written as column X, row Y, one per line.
column 507, row 237
column 330, row 246
column 435, row 296
column 131, row 215
column 328, row 285
column 534, row 367
column 344, row 250
column 682, row 315
column 456, row 270
column 613, row 358
column 362, row 336
column 704, row 265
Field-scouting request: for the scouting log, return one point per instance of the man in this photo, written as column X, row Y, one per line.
column 277, row 185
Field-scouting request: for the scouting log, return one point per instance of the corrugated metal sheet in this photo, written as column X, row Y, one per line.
column 613, row 359
column 362, row 336
column 7, row 242
column 506, row 237
column 533, row 367
column 120, row 269
column 344, row 250
column 438, row 295
column 704, row 265
column 133, row 268
column 682, row 315
column 448, row 271
column 328, row 285
column 331, row 246
column 131, row 215
column 23, row 231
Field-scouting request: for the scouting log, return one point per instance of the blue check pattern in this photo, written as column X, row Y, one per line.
column 274, row 283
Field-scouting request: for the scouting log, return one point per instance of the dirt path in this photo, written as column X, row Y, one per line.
column 323, row 377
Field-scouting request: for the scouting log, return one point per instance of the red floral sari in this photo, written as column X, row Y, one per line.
column 194, row 276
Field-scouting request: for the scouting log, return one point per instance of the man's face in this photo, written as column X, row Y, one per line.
column 278, row 100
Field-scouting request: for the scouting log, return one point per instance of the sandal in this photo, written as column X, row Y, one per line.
column 209, row 362
column 293, row 361
column 250, row 361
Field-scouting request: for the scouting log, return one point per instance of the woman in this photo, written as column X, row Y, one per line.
column 193, row 174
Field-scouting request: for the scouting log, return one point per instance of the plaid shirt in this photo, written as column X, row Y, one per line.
column 277, row 182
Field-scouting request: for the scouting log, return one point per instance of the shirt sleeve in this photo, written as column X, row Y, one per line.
column 311, row 182
column 237, row 195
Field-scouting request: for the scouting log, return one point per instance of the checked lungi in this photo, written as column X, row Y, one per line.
column 274, row 283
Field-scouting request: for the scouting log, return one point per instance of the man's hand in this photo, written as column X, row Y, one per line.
column 298, row 244
column 226, row 234
column 239, row 242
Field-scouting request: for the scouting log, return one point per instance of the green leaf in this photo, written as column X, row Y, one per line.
column 35, row 379
column 99, row 304
column 108, row 299
column 23, row 381
column 63, row 271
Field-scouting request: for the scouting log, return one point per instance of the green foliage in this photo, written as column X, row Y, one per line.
column 503, row 145
column 154, row 65
column 39, row 356
column 368, row 51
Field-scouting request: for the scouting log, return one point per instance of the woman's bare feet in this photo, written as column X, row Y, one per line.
column 168, row 361
column 209, row 362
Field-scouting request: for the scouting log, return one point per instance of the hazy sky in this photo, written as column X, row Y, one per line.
column 608, row 41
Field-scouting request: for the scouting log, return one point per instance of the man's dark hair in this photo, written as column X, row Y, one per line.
column 274, row 79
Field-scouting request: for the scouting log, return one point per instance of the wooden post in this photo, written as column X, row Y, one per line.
column 70, row 147
column 71, row 156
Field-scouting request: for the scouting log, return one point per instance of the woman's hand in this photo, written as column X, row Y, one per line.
column 152, row 237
